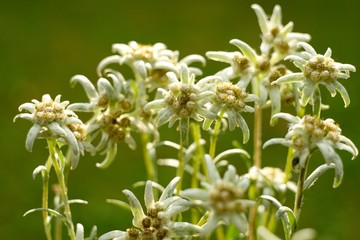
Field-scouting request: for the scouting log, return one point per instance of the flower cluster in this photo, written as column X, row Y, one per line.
column 125, row 108
column 307, row 134
column 54, row 119
column 317, row 69
column 223, row 197
column 157, row 222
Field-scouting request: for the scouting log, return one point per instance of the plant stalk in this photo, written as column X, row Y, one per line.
column 57, row 157
column 300, row 190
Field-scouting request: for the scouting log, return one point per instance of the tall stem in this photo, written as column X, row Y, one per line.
column 45, row 199
column 184, row 140
column 214, row 135
column 149, row 164
column 300, row 190
column 257, row 135
column 57, row 157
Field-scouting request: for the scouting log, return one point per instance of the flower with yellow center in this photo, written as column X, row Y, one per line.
column 307, row 134
column 317, row 69
column 231, row 100
column 51, row 119
column 223, row 197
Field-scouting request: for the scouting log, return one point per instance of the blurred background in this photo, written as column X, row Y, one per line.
column 44, row 43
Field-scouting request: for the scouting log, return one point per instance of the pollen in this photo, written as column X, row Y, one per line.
column 320, row 68
column 49, row 111
column 224, row 197
column 230, row 95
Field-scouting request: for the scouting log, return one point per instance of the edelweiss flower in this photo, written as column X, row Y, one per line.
column 223, row 197
column 239, row 65
column 270, row 180
column 106, row 94
column 276, row 93
column 245, row 64
column 157, row 223
column 150, row 62
column 231, row 100
column 111, row 105
column 184, row 99
column 52, row 119
column 277, row 36
column 317, row 69
column 307, row 134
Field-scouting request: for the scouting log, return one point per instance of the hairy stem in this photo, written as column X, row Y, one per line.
column 257, row 135
column 214, row 135
column 149, row 163
column 59, row 163
column 45, row 199
column 184, row 140
column 300, row 190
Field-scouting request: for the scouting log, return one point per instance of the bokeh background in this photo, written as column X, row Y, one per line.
column 44, row 43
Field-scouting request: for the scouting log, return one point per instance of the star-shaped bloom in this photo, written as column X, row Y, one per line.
column 183, row 99
column 110, row 105
column 157, row 222
column 244, row 64
column 317, row 69
column 150, row 62
column 52, row 119
column 223, row 197
column 232, row 101
column 273, row 94
column 307, row 134
column 276, row 36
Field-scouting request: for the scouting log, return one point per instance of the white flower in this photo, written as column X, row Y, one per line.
column 51, row 119
column 277, row 36
column 150, row 62
column 231, row 99
column 223, row 197
column 307, row 134
column 317, row 69
column 110, row 104
column 157, row 222
column 184, row 99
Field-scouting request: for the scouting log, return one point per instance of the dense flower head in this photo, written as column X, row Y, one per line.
column 317, row 69
column 150, row 63
column 157, row 222
column 230, row 100
column 307, row 134
column 183, row 99
column 53, row 120
column 276, row 36
column 223, row 197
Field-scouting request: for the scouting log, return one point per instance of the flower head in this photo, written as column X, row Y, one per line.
column 223, row 197
column 317, row 69
column 183, row 99
column 275, row 35
column 157, row 222
column 150, row 63
column 232, row 100
column 53, row 119
column 307, row 134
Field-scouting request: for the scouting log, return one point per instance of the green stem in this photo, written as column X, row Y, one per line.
column 288, row 166
column 59, row 163
column 184, row 140
column 214, row 135
column 45, row 199
column 300, row 190
column 149, row 164
column 257, row 135
column 198, row 158
column 220, row 235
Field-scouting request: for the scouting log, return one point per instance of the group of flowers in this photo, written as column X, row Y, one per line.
column 122, row 106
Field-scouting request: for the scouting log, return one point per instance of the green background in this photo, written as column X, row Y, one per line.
column 44, row 43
